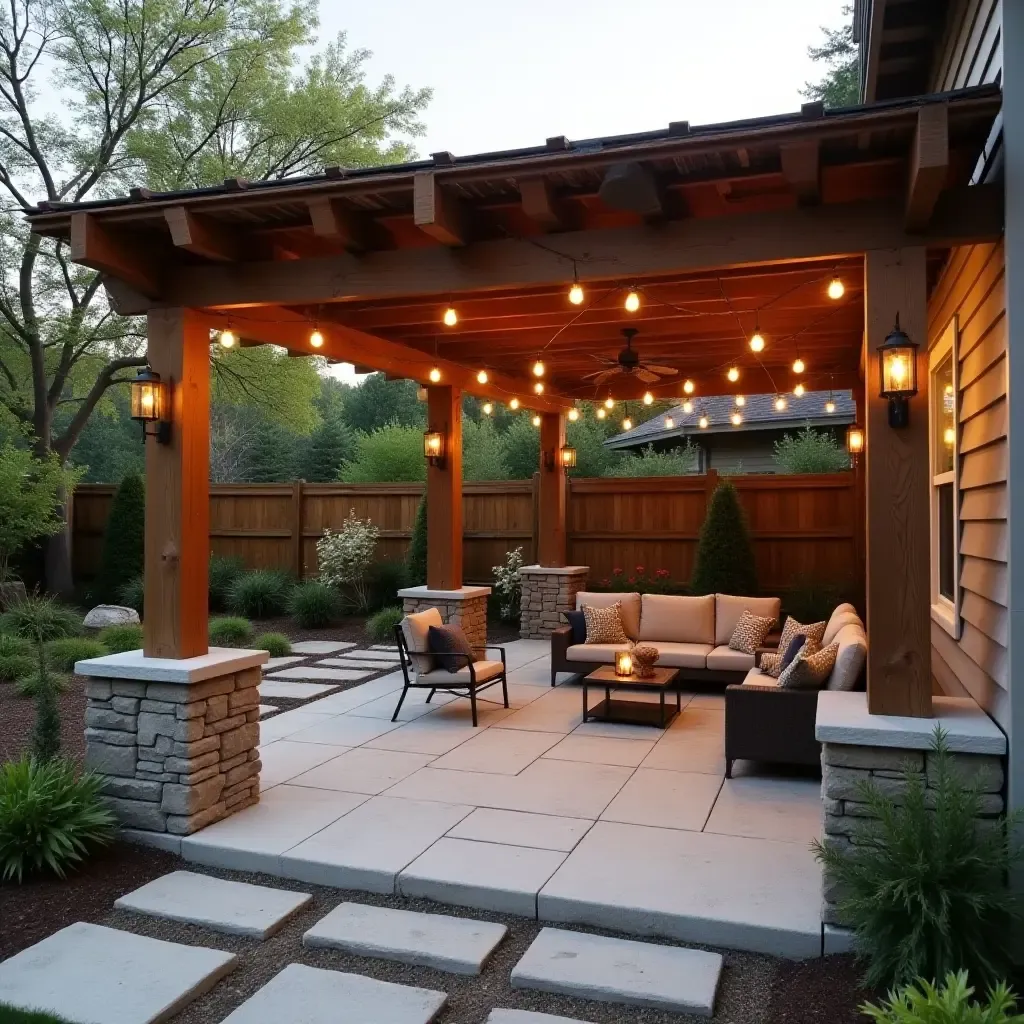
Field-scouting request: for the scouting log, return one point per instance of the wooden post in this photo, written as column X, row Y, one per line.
column 444, row 491
column 178, row 491
column 897, row 504
column 551, row 501
column 297, row 559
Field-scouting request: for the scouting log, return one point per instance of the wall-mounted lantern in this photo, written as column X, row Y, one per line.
column 854, row 441
column 434, row 447
column 897, row 371
column 151, row 404
column 566, row 458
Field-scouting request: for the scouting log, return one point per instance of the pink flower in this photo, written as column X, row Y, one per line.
column 640, row 570
column 632, row 579
column 616, row 572
column 606, row 583
column 662, row 574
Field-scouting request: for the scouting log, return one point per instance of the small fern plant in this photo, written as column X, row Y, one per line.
column 924, row 883
column 949, row 1003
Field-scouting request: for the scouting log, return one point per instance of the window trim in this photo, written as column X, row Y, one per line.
column 945, row 613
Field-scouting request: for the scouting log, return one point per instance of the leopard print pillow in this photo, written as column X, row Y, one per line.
column 750, row 632
column 814, row 631
column 810, row 668
column 604, row 625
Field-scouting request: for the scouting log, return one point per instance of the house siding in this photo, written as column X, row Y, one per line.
column 971, row 50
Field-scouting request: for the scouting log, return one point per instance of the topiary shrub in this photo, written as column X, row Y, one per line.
column 386, row 579
column 948, row 1003
column 223, row 574
column 62, row 654
column 380, row 628
column 118, row 639
column 15, row 658
column 261, row 594
column 133, row 595
column 124, row 539
column 314, row 605
column 50, row 818
column 416, row 557
column 229, row 631
column 277, row 645
column 725, row 554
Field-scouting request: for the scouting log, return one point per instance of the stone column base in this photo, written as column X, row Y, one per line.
column 465, row 607
column 175, row 742
column 857, row 746
column 547, row 592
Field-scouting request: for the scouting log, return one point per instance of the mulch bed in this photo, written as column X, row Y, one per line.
column 827, row 991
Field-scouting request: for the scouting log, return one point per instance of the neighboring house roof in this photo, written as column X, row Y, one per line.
column 758, row 414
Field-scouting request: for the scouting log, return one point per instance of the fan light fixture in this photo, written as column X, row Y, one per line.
column 836, row 288
column 451, row 318
column 632, row 302
column 733, row 374
column 481, row 377
column 435, row 375
column 648, row 398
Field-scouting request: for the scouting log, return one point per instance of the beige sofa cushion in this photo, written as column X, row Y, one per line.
column 756, row 678
column 850, row 658
column 725, row 659
column 629, row 612
column 483, row 671
column 847, row 617
column 680, row 620
column 599, row 654
column 677, row 655
column 729, row 608
column 415, row 629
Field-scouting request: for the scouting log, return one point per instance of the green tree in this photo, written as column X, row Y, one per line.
column 392, row 454
column 483, row 451
column 840, row 87
column 110, row 445
column 588, row 435
column 326, row 450
column 810, row 451
column 124, row 540
column 416, row 557
column 679, row 461
column 379, row 402
column 271, row 454
column 725, row 554
column 170, row 92
column 522, row 447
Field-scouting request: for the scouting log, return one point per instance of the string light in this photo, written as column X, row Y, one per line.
column 741, row 401
column 627, row 424
column 609, row 403
column 836, row 288
column 688, row 407
column 733, row 374
column 688, row 387
column 830, row 407
column 316, row 339
column 451, row 318
column 798, row 365
column 780, row 404
column 576, row 293
column 487, row 409
column 669, row 423
column 736, row 418
column 601, row 414
column 574, row 415
column 538, row 369
column 648, row 398
column 798, row 390
column 514, row 404
column 481, row 377
column 535, row 421
column 228, row 338
column 435, row 375
column 703, row 423
column 757, row 341
column 538, row 388
column 632, row 302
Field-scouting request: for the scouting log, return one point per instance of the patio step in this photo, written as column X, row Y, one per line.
column 500, row 1016
column 453, row 944
column 620, row 971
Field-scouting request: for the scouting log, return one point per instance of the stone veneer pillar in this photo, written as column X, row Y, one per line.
column 465, row 607
column 175, row 741
column 547, row 592
column 857, row 746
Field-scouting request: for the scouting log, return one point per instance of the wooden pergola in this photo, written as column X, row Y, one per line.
column 720, row 230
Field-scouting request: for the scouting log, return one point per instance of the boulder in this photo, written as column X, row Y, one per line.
column 111, row 615
column 11, row 593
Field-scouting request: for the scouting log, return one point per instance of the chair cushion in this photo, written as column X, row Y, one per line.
column 850, row 659
column 416, row 630
column 726, row 659
column 837, row 622
column 484, row 670
column 810, row 668
column 578, row 624
column 604, row 625
column 676, row 655
column 750, row 632
column 757, row 678
column 444, row 642
column 680, row 620
column 791, row 628
column 630, row 610
column 729, row 608
column 599, row 654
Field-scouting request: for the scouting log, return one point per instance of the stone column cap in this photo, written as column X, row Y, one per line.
column 217, row 662
column 843, row 718
column 462, row 594
column 554, row 570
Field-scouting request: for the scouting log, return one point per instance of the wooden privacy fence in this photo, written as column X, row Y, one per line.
column 804, row 527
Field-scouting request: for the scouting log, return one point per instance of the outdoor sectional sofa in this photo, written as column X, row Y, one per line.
column 690, row 633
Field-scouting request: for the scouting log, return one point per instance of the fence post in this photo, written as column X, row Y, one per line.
column 297, row 560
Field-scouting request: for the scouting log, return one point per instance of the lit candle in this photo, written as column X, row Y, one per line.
column 624, row 663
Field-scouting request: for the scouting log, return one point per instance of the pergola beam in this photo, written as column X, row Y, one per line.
column 801, row 167
column 438, row 214
column 540, row 204
column 929, row 165
column 201, row 236
column 93, row 245
column 331, row 220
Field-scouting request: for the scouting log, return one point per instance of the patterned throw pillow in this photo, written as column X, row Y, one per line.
column 750, row 632
column 810, row 668
column 771, row 665
column 816, row 630
column 444, row 641
column 604, row 625
column 776, row 663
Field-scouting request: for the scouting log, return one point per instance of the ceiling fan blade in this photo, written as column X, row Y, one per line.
column 664, row 371
column 646, row 376
column 598, row 373
column 606, row 375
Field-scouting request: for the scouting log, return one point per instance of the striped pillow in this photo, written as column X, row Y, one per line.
column 604, row 625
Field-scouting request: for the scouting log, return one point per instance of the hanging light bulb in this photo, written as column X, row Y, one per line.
column 798, row 390
column 574, row 414
column 627, row 424
column 228, row 338
column 648, row 398
column 757, row 342
column 435, row 375
column 830, row 407
column 836, row 288
column 703, row 423
column 514, row 404
column 688, row 407
column 688, row 387
column 576, row 293
column 632, row 302
column 487, row 409
column 733, row 374
column 535, row 421
column 481, row 377
column 798, row 365
column 609, row 403
column 316, row 339
column 601, row 414
column 538, row 388
column 736, row 418
column 669, row 423
column 538, row 369
column 780, row 404
column 741, row 401
column 451, row 318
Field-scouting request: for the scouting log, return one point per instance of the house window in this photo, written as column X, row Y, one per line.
column 943, row 452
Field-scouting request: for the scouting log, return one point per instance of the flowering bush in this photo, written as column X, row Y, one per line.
column 509, row 585
column 641, row 582
column 345, row 559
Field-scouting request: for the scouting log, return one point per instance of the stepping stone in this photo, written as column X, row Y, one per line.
column 498, row 1016
column 424, row 940
column 282, row 662
column 294, row 691
column 88, row 974
column 376, row 666
column 319, row 647
column 313, row 996
column 620, row 971
column 265, row 709
column 383, row 647
column 375, row 655
column 236, row 908
column 340, row 675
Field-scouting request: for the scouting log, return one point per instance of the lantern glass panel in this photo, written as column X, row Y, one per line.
column 899, row 370
column 855, row 440
column 568, row 457
column 147, row 400
column 433, row 444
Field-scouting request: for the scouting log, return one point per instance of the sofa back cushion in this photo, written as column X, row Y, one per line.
column 416, row 630
column 629, row 611
column 850, row 658
column 729, row 608
column 679, row 620
column 844, row 615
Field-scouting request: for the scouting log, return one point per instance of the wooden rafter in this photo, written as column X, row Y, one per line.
column 801, row 167
column 929, row 165
column 93, row 245
column 438, row 214
column 330, row 219
column 540, row 204
column 202, row 236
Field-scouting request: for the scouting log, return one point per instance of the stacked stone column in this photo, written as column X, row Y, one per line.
column 465, row 607
column 174, row 756
column 547, row 592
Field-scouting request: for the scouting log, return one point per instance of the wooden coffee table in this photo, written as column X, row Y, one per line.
column 631, row 712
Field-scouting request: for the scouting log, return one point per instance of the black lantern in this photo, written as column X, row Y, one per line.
column 564, row 458
column 897, row 371
column 854, row 441
column 433, row 447
column 150, row 404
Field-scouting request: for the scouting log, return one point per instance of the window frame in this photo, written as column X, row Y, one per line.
column 945, row 612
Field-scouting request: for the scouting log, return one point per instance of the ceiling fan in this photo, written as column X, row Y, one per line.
column 628, row 361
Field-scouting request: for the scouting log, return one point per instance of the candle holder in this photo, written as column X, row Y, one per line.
column 623, row 664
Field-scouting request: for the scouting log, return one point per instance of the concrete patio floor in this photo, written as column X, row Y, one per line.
column 534, row 813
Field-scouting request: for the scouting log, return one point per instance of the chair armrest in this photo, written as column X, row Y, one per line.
column 493, row 647
column 561, row 641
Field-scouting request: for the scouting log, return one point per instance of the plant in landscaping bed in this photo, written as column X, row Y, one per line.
column 811, row 600
column 15, row 658
column 345, row 559
column 123, row 539
column 260, row 594
column 118, row 639
column 50, row 818
column 508, row 584
column 277, row 645
column 381, row 627
column 639, row 581
column 416, row 557
column 810, row 451
column 62, row 654
column 229, row 631
column 10, row 1015
column 133, row 595
column 949, row 1003
column 725, row 554
column 387, row 578
column 59, row 621
column 924, row 884
column 223, row 573
column 314, row 605
column 29, row 685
